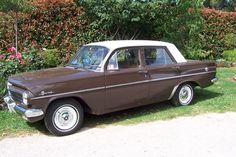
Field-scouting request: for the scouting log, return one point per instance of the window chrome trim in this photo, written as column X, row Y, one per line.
column 120, row 85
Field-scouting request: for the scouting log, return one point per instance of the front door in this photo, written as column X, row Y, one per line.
column 126, row 80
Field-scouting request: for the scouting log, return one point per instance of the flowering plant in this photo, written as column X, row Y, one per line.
column 10, row 54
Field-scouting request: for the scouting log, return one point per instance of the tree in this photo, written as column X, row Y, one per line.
column 229, row 5
column 14, row 7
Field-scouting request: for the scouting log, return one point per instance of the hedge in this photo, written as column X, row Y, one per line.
column 218, row 25
column 56, row 26
column 63, row 25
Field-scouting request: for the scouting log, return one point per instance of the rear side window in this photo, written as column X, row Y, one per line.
column 157, row 56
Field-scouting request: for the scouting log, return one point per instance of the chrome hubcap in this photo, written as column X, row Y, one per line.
column 66, row 117
column 185, row 95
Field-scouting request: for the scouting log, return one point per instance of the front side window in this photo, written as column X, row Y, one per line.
column 123, row 59
column 89, row 57
column 157, row 56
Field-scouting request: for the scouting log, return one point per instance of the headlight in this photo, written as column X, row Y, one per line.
column 26, row 95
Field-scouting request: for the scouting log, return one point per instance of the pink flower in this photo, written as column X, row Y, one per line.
column 11, row 49
column 19, row 56
column 12, row 57
column 2, row 56
column 22, row 62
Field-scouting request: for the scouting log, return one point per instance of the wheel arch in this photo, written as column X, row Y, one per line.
column 194, row 83
column 76, row 98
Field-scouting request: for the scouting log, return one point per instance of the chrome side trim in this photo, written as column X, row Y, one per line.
column 120, row 85
column 173, row 92
column 59, row 94
column 127, row 84
column 187, row 75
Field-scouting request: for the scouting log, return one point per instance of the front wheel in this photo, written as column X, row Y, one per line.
column 64, row 117
column 183, row 95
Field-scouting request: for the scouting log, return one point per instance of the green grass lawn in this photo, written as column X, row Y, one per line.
column 221, row 97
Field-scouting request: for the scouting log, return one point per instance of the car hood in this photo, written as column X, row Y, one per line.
column 41, row 78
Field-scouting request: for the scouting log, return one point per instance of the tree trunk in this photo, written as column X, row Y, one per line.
column 16, row 32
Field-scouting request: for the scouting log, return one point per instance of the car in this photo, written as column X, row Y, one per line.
column 105, row 77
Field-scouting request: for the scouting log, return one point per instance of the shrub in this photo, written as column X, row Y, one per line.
column 230, row 40
column 27, row 61
column 180, row 24
column 124, row 19
column 10, row 63
column 230, row 55
column 2, row 87
column 51, row 58
column 58, row 25
column 217, row 31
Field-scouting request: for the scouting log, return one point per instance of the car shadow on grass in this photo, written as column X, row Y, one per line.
column 204, row 94
column 91, row 121
column 94, row 120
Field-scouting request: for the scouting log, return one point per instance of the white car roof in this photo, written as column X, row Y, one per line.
column 115, row 44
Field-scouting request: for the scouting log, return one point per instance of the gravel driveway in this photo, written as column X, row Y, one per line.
column 209, row 135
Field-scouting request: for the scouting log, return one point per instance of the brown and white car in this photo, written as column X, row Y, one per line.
column 105, row 77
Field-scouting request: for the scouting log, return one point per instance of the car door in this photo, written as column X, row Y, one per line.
column 126, row 80
column 163, row 72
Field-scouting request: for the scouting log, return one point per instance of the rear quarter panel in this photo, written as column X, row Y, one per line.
column 201, row 72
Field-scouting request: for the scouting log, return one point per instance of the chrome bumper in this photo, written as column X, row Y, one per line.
column 214, row 80
column 28, row 113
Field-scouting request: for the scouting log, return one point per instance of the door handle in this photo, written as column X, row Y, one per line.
column 175, row 67
column 142, row 71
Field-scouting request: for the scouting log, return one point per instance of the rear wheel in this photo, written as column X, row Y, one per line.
column 64, row 117
column 183, row 95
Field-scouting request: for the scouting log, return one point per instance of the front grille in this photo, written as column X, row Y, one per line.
column 16, row 96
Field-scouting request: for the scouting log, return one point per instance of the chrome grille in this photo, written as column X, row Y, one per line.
column 16, row 96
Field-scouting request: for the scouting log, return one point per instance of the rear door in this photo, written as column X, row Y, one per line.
column 126, row 80
column 163, row 72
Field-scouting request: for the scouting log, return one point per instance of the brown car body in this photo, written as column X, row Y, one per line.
column 109, row 90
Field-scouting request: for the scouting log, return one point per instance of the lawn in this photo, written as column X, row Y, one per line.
column 221, row 97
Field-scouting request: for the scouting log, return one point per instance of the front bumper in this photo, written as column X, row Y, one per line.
column 214, row 80
column 27, row 113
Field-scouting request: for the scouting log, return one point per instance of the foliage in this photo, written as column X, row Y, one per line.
column 56, row 26
column 125, row 19
column 230, row 40
column 2, row 87
column 230, row 55
column 218, row 25
column 14, row 5
column 200, row 54
column 51, row 58
column 228, row 5
column 10, row 63
column 27, row 61
column 180, row 24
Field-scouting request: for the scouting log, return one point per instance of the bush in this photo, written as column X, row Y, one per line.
column 230, row 55
column 57, row 25
column 2, row 87
column 51, row 58
column 27, row 61
column 124, row 19
column 218, row 31
column 230, row 40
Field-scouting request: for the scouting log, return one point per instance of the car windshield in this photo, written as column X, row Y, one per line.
column 89, row 57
